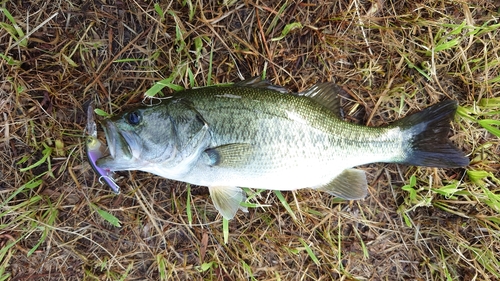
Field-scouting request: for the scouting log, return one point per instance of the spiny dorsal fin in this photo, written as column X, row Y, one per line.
column 350, row 184
column 227, row 200
column 326, row 94
column 257, row 82
column 229, row 155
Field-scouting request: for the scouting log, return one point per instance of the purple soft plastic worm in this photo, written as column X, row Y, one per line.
column 95, row 150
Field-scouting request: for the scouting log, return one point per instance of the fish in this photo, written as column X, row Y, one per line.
column 257, row 135
column 95, row 150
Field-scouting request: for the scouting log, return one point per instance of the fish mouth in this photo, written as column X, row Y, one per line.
column 118, row 146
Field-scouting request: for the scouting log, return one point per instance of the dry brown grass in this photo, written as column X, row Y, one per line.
column 380, row 51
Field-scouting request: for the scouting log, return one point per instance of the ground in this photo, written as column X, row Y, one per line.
column 393, row 58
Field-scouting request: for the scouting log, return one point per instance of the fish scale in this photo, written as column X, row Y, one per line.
column 265, row 128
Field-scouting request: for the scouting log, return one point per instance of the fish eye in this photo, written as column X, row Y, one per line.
column 134, row 118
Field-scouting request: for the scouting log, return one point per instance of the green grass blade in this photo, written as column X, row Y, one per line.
column 420, row 70
column 276, row 18
column 225, row 230
column 161, row 262
column 159, row 11
column 10, row 60
column 19, row 31
column 288, row 28
column 46, row 154
column 248, row 270
column 158, row 86
column 210, row 67
column 106, row 216
column 492, row 126
column 29, row 185
column 188, row 206
column 444, row 266
column 366, row 253
column 101, row 112
column 310, row 252
column 447, row 45
column 285, row 204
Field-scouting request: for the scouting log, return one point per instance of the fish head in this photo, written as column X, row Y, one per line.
column 138, row 139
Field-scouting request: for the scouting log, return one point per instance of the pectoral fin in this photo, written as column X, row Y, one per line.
column 229, row 155
column 227, row 200
column 350, row 184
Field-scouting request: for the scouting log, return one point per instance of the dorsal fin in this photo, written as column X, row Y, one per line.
column 257, row 82
column 326, row 94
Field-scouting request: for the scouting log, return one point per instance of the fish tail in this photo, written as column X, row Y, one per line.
column 427, row 136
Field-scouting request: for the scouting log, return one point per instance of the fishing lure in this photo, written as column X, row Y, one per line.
column 95, row 150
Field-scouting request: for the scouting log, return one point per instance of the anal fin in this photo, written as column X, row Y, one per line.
column 227, row 200
column 350, row 184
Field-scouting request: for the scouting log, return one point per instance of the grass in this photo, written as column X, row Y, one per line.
column 57, row 222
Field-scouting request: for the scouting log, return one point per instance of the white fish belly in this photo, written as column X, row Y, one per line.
column 310, row 173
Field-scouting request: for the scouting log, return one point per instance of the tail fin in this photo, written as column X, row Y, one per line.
column 428, row 143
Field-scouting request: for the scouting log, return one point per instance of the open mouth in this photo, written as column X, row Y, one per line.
column 111, row 135
column 117, row 144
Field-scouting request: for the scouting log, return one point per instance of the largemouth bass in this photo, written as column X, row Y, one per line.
column 252, row 134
